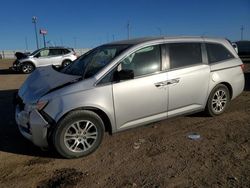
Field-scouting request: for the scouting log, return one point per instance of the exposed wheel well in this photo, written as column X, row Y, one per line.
column 29, row 62
column 103, row 116
column 66, row 60
column 229, row 88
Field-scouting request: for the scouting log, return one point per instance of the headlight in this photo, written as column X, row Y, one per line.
column 41, row 104
column 37, row 106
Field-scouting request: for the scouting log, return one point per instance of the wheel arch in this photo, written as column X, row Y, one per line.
column 208, row 110
column 67, row 59
column 28, row 61
column 228, row 85
column 99, row 112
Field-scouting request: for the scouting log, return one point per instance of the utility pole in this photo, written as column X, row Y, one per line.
column 160, row 31
column 43, row 32
column 26, row 43
column 128, row 29
column 34, row 21
column 44, row 41
column 241, row 33
column 61, row 40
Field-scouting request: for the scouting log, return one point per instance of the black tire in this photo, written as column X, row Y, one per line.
column 214, row 108
column 27, row 67
column 65, row 63
column 65, row 125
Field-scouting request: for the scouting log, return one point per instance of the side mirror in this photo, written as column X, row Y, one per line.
column 123, row 75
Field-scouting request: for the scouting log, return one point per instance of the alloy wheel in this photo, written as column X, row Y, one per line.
column 219, row 101
column 80, row 136
column 27, row 68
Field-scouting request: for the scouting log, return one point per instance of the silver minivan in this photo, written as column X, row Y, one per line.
column 126, row 84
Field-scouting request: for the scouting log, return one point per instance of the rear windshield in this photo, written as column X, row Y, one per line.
column 217, row 52
column 93, row 61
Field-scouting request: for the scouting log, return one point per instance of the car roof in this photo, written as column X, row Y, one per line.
column 56, row 47
column 136, row 41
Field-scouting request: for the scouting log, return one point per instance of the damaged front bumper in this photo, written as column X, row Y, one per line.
column 16, row 66
column 32, row 126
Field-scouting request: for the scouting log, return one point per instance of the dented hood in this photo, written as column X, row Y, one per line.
column 41, row 81
column 20, row 55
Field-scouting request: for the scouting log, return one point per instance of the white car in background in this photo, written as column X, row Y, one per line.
column 57, row 56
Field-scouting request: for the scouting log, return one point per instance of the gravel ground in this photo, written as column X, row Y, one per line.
column 157, row 155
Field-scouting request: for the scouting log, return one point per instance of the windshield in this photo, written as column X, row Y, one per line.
column 93, row 61
column 33, row 53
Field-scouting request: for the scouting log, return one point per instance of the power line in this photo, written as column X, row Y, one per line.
column 160, row 31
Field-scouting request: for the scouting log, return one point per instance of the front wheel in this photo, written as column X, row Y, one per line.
column 218, row 100
column 78, row 134
column 27, row 68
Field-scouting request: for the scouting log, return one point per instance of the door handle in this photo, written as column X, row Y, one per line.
column 173, row 81
column 167, row 82
column 159, row 84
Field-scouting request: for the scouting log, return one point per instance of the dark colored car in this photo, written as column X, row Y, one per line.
column 244, row 50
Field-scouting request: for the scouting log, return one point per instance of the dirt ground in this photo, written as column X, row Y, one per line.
column 157, row 155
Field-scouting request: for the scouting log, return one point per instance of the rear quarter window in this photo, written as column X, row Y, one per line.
column 53, row 52
column 66, row 51
column 217, row 52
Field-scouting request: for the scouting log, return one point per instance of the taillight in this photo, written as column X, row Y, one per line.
column 242, row 67
column 75, row 54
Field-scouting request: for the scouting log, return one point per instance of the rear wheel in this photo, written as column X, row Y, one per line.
column 27, row 68
column 65, row 63
column 218, row 100
column 78, row 134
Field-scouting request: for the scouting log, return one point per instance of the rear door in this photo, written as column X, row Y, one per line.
column 56, row 56
column 188, row 77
